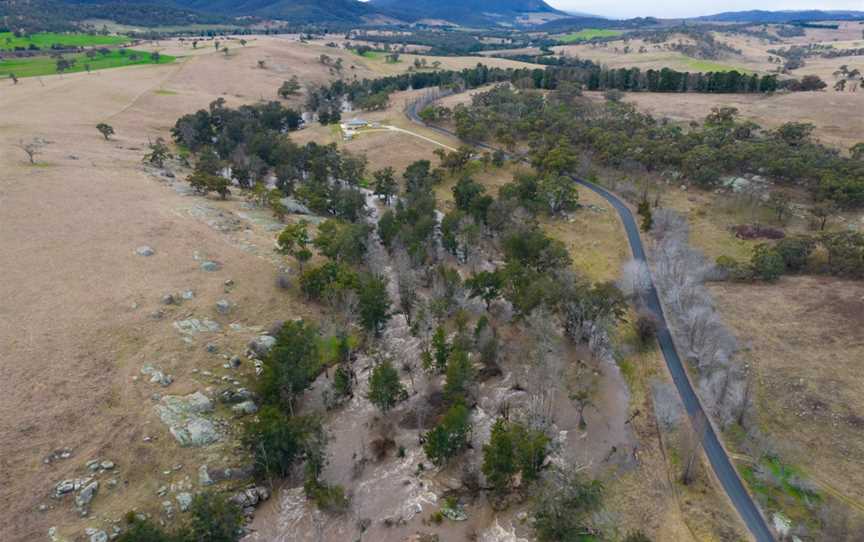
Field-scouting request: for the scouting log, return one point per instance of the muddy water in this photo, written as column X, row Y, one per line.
column 394, row 498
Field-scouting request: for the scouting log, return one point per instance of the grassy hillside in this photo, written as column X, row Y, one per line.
column 44, row 65
column 44, row 40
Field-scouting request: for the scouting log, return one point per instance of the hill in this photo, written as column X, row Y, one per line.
column 760, row 16
column 472, row 12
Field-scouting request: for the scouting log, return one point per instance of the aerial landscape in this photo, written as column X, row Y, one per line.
column 431, row 271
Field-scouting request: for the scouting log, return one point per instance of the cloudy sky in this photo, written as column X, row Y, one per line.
column 689, row 8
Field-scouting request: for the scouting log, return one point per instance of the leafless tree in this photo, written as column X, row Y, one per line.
column 691, row 445
column 635, row 279
column 31, row 148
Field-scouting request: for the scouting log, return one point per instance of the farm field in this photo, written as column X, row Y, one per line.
column 44, row 65
column 589, row 34
column 44, row 40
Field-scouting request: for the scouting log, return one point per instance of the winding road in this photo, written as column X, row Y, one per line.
column 717, row 455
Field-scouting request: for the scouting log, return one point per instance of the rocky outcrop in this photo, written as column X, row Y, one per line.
column 184, row 416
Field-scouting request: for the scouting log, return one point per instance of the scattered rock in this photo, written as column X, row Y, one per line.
column 192, row 326
column 157, row 376
column 250, row 497
column 68, row 486
column 168, row 509
column 212, row 348
column 261, row 345
column 106, row 465
column 62, row 453
column 183, row 416
column 235, row 362
column 230, row 396
column 86, row 495
column 244, row 408
column 145, row 251
column 210, row 266
column 229, row 283
column 184, row 501
column 169, row 299
column 96, row 535
column 294, row 207
column 204, row 476
column 223, row 306
column 187, row 294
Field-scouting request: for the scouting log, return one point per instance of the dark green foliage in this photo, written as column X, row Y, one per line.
column 292, row 364
column 328, row 281
column 374, row 303
column 278, row 440
column 766, row 262
column 450, row 436
column 385, row 186
column 486, row 285
column 795, row 252
column 459, row 376
column 644, row 210
column 214, row 519
column 342, row 241
column 534, row 249
column 513, row 448
column 562, row 512
column 141, row 530
column 385, row 389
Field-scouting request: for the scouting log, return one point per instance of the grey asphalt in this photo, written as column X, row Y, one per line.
column 717, row 456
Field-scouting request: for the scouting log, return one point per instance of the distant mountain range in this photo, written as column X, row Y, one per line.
column 759, row 16
column 465, row 11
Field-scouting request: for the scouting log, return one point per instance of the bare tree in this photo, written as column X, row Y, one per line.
column 691, row 445
column 635, row 279
column 31, row 148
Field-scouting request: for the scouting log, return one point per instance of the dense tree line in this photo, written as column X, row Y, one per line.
column 618, row 135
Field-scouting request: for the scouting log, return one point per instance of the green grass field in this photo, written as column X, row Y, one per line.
column 45, row 65
column 705, row 66
column 589, row 34
column 44, row 40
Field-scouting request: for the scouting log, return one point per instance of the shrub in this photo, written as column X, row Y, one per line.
column 450, row 436
column 766, row 263
column 292, row 364
column 277, row 440
column 215, row 519
column 563, row 510
column 329, row 498
column 795, row 252
column 385, row 389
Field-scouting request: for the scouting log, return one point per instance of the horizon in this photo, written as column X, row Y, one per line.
column 699, row 8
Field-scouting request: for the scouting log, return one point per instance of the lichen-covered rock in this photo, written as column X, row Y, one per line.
column 184, row 417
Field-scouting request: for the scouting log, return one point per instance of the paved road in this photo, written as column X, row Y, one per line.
column 720, row 462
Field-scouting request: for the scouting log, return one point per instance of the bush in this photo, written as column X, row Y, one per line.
column 766, row 263
column 292, row 364
column 142, row 530
column 215, row 519
column 329, row 498
column 646, row 328
column 277, row 440
column 385, row 389
column 563, row 510
column 450, row 436
column 795, row 252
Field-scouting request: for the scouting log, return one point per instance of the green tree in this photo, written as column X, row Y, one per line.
column 766, row 262
column 644, row 210
column 158, row 153
column 499, row 457
column 294, row 240
column 385, row 389
column 106, row 130
column 289, row 88
column 486, row 285
column 459, row 376
column 385, row 184
column 449, row 437
column 374, row 303
column 277, row 440
column 440, row 349
column 342, row 241
column 292, row 364
column 215, row 519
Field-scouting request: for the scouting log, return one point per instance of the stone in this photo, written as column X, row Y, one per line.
column 229, row 283
column 157, row 376
column 187, row 295
column 223, row 306
column 183, row 416
column 234, row 362
column 244, row 408
column 294, row 207
column 145, row 251
column 212, row 348
column 169, row 299
column 184, row 501
column 106, row 465
column 210, row 266
column 168, row 509
column 191, row 326
column 231, row 396
column 261, row 345
column 204, row 476
column 97, row 535
column 86, row 495
column 93, row 465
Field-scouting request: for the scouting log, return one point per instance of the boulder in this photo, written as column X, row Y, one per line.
column 145, row 251
column 223, row 306
column 294, row 207
column 86, row 495
column 204, row 476
column 184, row 501
column 184, row 417
column 261, row 345
column 157, row 376
column 210, row 266
column 191, row 326
column 244, row 408
column 96, row 535
column 230, row 396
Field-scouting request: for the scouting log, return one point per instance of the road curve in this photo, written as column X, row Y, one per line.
column 719, row 459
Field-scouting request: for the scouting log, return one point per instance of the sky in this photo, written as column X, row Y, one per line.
column 691, row 8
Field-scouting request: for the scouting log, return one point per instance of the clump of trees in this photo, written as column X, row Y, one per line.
column 212, row 517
